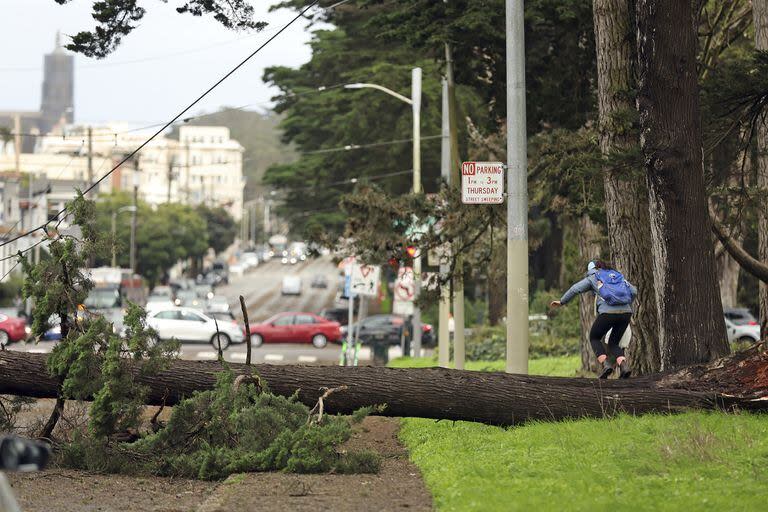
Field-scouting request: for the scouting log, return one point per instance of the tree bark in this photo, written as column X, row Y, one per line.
column 626, row 195
column 589, row 249
column 494, row 398
column 691, row 325
column 760, row 13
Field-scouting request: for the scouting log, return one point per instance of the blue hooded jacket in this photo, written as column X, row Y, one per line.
column 589, row 283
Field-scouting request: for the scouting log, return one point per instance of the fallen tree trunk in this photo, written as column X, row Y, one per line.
column 740, row 381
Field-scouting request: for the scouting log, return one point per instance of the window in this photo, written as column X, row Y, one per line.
column 284, row 320
column 304, row 319
column 167, row 315
column 190, row 317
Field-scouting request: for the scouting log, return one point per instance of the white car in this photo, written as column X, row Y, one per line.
column 291, row 285
column 189, row 325
column 743, row 333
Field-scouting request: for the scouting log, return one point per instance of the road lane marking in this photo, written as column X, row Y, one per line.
column 274, row 357
column 207, row 354
column 38, row 351
column 307, row 359
column 238, row 356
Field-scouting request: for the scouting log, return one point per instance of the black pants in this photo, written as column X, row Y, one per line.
column 603, row 323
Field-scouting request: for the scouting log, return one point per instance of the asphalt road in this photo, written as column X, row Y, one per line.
column 260, row 288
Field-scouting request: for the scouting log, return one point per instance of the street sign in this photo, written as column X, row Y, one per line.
column 365, row 280
column 404, row 292
column 482, row 182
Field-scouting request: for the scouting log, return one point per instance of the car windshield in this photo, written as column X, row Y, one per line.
column 103, row 298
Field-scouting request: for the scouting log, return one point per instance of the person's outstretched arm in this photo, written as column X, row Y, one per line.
column 580, row 287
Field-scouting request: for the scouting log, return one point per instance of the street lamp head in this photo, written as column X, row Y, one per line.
column 354, row 86
column 129, row 208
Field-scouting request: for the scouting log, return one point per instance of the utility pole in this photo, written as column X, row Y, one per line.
column 517, row 194
column 170, row 178
column 458, row 272
column 133, row 213
column 189, row 171
column 444, row 309
column 416, row 106
column 90, row 156
column 267, row 220
column 253, row 223
column 17, row 141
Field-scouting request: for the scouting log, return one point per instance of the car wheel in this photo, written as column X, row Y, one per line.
column 319, row 340
column 256, row 340
column 744, row 339
column 4, row 338
column 220, row 338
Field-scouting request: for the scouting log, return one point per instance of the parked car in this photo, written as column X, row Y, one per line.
column 222, row 316
column 189, row 325
column 291, row 285
column 388, row 328
column 296, row 328
column 217, row 304
column 319, row 281
column 13, row 329
column 340, row 315
column 742, row 333
column 220, row 269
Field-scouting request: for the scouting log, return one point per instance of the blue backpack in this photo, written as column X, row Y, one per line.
column 615, row 290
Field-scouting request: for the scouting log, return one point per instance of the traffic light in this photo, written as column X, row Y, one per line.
column 410, row 251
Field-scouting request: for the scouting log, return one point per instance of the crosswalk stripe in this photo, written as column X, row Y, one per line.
column 307, row 359
column 238, row 356
column 38, row 351
column 206, row 354
column 274, row 357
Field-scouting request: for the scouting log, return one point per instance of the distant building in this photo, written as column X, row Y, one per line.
column 203, row 166
column 57, row 105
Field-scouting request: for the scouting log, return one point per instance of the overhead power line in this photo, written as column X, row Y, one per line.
column 173, row 120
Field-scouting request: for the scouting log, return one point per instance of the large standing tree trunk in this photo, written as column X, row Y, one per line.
column 691, row 326
column 760, row 13
column 589, row 240
column 626, row 195
column 488, row 397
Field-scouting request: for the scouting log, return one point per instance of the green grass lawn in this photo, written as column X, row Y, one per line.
column 565, row 366
column 693, row 461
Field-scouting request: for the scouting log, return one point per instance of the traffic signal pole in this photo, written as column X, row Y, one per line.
column 517, row 194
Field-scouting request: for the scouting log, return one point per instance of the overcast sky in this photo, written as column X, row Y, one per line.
column 180, row 56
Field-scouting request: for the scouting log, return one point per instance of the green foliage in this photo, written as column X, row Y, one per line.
column 10, row 408
column 91, row 359
column 165, row 235
column 117, row 18
column 236, row 427
column 222, row 228
column 10, row 289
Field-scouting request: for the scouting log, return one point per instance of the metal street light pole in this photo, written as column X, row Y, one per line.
column 517, row 192
column 415, row 102
column 122, row 209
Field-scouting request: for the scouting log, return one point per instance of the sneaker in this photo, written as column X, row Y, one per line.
column 606, row 371
column 624, row 370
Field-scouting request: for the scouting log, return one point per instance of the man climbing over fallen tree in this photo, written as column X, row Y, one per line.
column 614, row 296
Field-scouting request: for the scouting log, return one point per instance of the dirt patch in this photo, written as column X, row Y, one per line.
column 398, row 486
column 70, row 491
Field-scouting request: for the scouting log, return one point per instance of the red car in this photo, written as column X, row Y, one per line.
column 12, row 329
column 296, row 328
